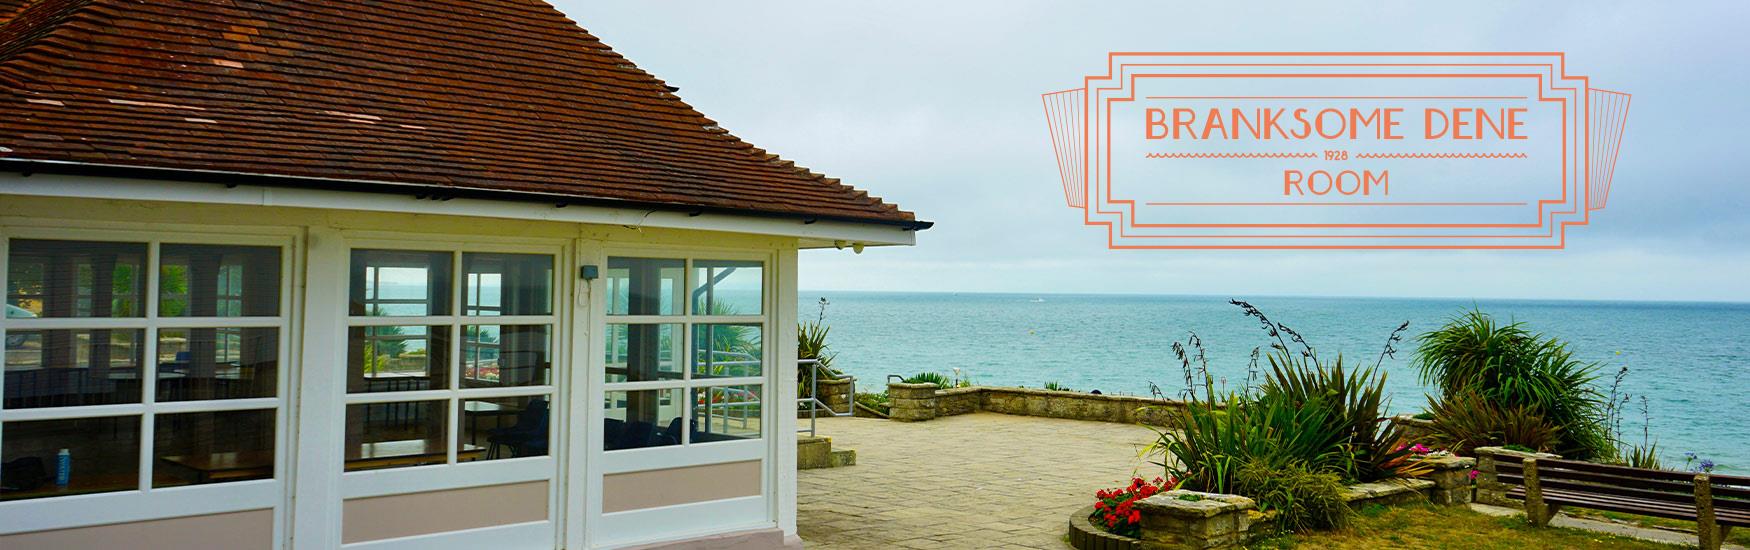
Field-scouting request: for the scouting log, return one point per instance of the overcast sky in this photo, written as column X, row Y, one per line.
column 934, row 105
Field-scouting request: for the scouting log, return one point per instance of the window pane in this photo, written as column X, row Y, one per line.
column 724, row 351
column 217, row 363
column 508, row 284
column 645, row 286
column 644, row 418
column 397, row 358
column 726, row 413
column 218, row 281
column 103, row 454
column 394, row 282
column 212, row 447
column 75, row 279
column 67, row 368
column 506, row 427
column 726, row 288
column 395, row 435
column 505, row 355
column 640, row 353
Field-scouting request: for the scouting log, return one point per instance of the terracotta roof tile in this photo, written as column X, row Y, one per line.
column 482, row 95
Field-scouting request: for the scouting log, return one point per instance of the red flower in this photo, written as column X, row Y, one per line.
column 1099, row 506
column 1135, row 517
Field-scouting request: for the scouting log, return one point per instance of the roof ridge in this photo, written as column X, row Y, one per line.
column 33, row 20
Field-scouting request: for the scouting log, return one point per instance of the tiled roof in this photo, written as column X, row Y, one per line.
column 496, row 96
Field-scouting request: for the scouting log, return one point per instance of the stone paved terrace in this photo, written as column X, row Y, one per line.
column 982, row 480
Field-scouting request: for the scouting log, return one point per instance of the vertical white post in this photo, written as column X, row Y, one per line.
column 580, row 483
column 783, row 466
column 321, row 423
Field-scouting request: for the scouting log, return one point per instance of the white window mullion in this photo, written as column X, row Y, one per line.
column 149, row 367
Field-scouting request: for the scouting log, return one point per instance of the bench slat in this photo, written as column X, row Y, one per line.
column 1726, row 495
column 1630, row 506
column 1608, row 469
column 1629, row 492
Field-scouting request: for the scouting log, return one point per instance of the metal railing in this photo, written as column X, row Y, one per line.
column 813, row 402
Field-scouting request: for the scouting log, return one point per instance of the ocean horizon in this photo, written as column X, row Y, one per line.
column 1122, row 343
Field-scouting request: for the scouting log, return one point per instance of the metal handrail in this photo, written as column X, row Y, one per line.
column 813, row 401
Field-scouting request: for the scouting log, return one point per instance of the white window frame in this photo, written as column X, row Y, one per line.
column 146, row 502
column 638, row 526
column 453, row 474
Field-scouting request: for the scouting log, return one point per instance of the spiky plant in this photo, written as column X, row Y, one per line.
column 1516, row 368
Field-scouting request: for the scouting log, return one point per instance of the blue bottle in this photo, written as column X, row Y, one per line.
column 63, row 467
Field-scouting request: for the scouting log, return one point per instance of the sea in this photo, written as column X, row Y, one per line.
column 1688, row 362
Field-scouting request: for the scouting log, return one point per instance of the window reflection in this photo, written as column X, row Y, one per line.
column 509, row 427
column 642, row 418
column 74, row 279
column 213, row 447
column 217, row 363
column 396, row 435
column 68, row 368
column 218, row 281
column 726, row 413
column 645, row 286
column 726, row 351
column 727, row 287
column 102, row 455
column 400, row 283
column 508, row 284
column 505, row 355
column 644, row 352
column 397, row 358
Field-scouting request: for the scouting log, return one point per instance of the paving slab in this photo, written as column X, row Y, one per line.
column 980, row 480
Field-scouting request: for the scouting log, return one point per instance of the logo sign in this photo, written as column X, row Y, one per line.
column 1336, row 150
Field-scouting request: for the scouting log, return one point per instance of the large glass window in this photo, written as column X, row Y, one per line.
column 659, row 309
column 98, row 356
column 481, row 376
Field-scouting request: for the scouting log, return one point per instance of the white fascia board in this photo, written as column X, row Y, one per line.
column 819, row 233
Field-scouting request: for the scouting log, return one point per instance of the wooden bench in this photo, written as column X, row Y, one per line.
column 1716, row 503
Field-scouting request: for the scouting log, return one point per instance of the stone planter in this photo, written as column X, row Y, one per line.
column 911, row 402
column 837, row 394
column 1084, row 535
column 1193, row 520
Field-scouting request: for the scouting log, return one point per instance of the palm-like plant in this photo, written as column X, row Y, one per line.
column 1516, row 368
column 1356, row 401
column 1468, row 420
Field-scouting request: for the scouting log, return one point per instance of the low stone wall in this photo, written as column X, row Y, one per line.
column 918, row 402
column 1490, row 489
column 1417, row 429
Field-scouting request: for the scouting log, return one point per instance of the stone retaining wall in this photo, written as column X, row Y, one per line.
column 919, row 402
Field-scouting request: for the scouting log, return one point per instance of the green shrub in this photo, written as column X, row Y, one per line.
column 1515, row 368
column 1054, row 386
column 936, row 378
column 1355, row 403
column 1468, row 420
column 874, row 401
column 1638, row 456
column 1303, row 499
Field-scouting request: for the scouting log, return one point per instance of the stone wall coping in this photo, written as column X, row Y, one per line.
column 1054, row 393
column 1481, row 451
column 1448, row 462
column 903, row 385
column 1206, row 505
column 1385, row 488
column 961, row 391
